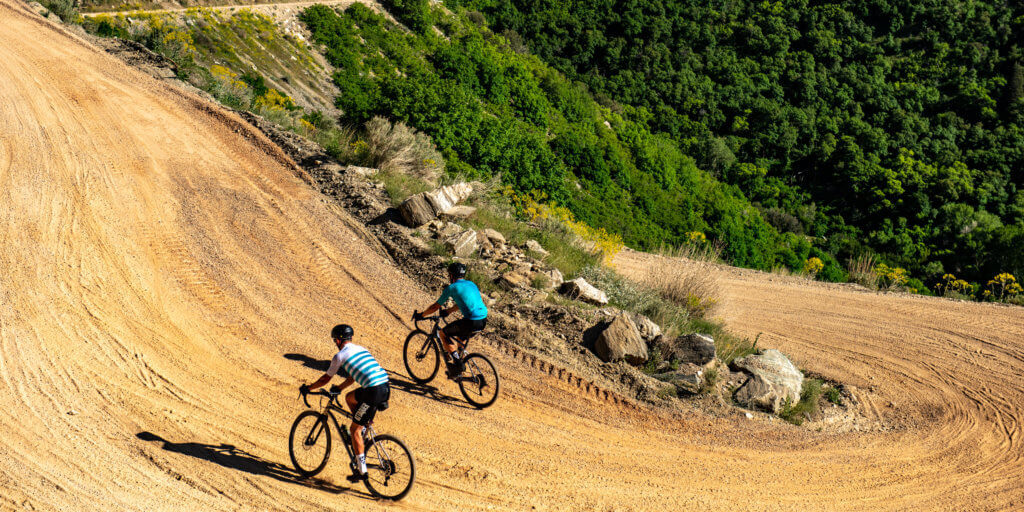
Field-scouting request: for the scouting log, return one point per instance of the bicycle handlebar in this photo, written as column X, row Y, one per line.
column 328, row 394
column 436, row 318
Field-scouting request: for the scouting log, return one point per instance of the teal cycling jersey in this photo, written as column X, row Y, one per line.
column 467, row 297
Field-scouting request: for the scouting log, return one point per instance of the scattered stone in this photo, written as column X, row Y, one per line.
column 513, row 280
column 648, row 329
column 448, row 230
column 620, row 341
column 689, row 378
column 774, row 380
column 698, row 349
column 463, row 244
column 495, row 237
column 580, row 289
column 749, row 416
column 361, row 171
column 535, row 247
column 554, row 279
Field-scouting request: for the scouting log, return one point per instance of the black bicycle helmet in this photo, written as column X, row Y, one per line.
column 457, row 270
column 342, row 332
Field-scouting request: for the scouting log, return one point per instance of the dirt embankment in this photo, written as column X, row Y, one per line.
column 168, row 279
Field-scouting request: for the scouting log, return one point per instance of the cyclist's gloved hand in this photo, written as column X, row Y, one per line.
column 444, row 313
column 335, row 389
column 303, row 389
column 417, row 316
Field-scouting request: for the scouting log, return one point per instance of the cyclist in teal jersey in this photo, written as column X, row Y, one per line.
column 470, row 303
column 355, row 364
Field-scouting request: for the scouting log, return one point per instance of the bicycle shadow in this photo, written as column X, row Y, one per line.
column 231, row 457
column 399, row 381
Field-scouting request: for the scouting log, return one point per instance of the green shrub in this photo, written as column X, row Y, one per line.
column 833, row 395
column 807, row 406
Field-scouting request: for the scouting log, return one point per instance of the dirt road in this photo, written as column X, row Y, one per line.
column 167, row 279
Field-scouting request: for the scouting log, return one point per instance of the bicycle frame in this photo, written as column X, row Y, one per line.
column 368, row 432
column 434, row 337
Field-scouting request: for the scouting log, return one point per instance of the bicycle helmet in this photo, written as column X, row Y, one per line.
column 457, row 270
column 342, row 332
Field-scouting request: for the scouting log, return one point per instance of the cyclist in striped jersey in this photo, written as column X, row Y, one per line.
column 355, row 364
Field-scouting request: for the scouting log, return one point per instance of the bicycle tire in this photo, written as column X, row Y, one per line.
column 478, row 380
column 319, row 438
column 387, row 457
column 421, row 357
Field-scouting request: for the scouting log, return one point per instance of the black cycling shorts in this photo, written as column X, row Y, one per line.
column 368, row 402
column 464, row 328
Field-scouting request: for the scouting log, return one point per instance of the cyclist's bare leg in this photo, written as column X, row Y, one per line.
column 448, row 343
column 355, row 428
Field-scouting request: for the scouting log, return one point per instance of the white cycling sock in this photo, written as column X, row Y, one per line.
column 362, row 462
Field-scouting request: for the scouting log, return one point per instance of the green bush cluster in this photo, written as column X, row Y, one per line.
column 887, row 126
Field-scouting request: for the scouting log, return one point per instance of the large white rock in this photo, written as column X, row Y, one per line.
column 424, row 207
column 774, row 381
column 444, row 198
column 580, row 289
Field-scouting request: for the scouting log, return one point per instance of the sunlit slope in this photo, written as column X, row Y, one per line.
column 167, row 280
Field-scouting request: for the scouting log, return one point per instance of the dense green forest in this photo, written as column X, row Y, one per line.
column 894, row 127
column 494, row 111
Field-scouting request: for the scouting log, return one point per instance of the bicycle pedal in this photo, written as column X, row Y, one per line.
column 356, row 478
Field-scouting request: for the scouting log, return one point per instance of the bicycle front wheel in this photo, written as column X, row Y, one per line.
column 479, row 382
column 390, row 468
column 309, row 443
column 421, row 356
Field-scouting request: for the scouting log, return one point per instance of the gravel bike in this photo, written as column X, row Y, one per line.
column 390, row 468
column 479, row 382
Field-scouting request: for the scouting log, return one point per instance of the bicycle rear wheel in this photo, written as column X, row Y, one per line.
column 390, row 468
column 479, row 382
column 309, row 443
column 422, row 359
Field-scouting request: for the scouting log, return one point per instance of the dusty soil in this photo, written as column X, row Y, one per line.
column 169, row 276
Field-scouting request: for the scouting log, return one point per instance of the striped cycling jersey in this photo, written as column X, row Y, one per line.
column 356, row 362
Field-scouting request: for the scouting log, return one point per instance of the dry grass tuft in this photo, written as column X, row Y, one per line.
column 862, row 271
column 685, row 276
column 397, row 148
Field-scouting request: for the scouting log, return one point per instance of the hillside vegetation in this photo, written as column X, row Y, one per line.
column 495, row 112
column 893, row 127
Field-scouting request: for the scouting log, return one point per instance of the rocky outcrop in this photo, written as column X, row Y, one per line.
column 698, row 349
column 424, row 207
column 774, row 381
column 620, row 341
column 580, row 289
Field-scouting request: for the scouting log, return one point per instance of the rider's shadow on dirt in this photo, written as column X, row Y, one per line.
column 232, row 457
column 399, row 381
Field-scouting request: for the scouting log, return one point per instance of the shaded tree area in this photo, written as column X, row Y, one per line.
column 884, row 126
